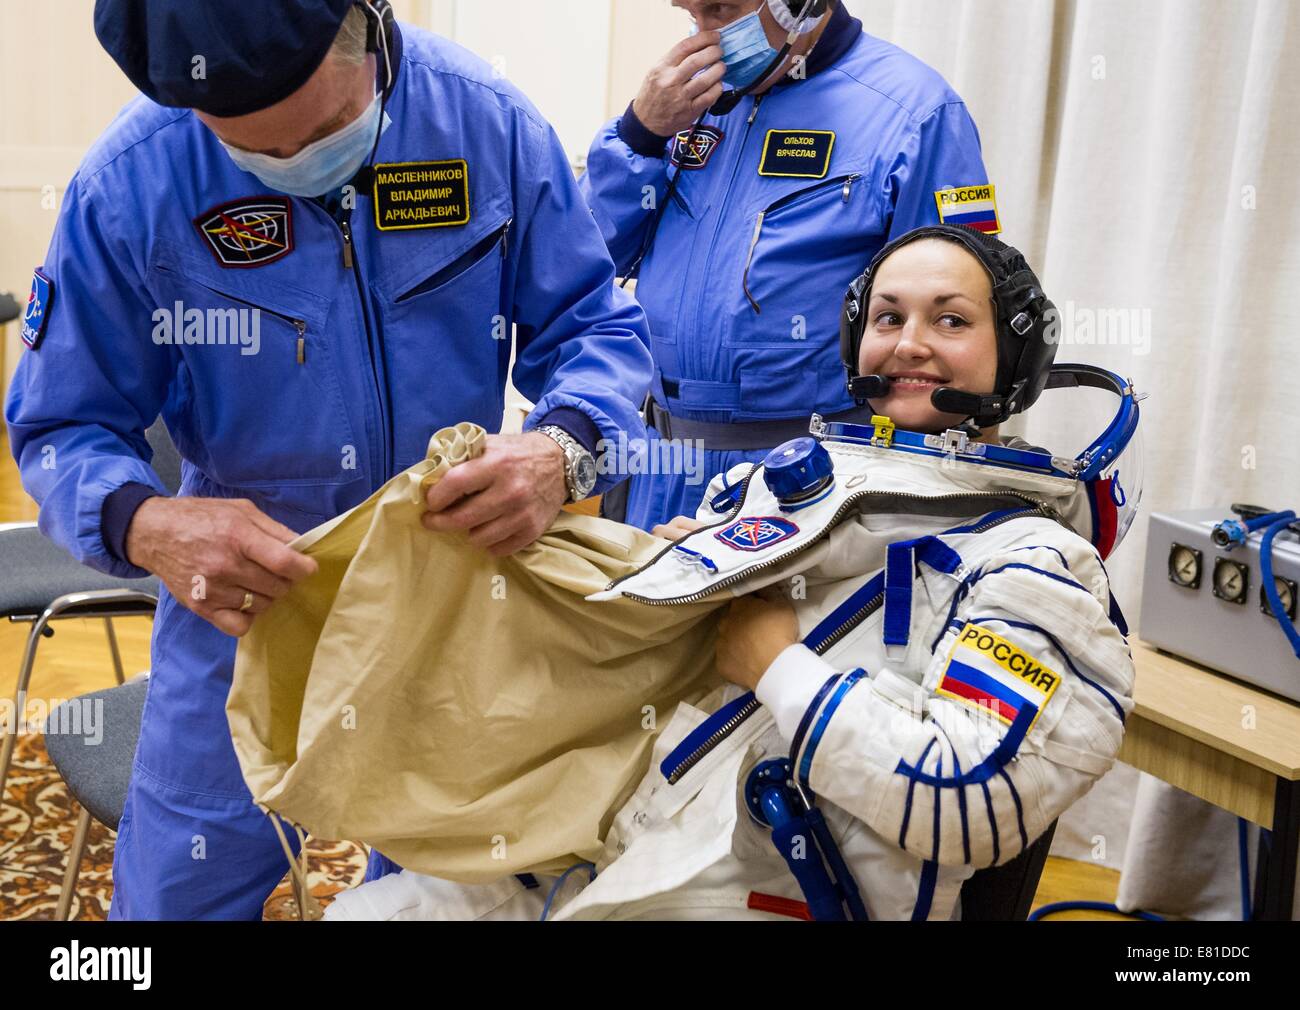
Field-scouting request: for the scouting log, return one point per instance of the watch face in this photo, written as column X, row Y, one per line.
column 1231, row 580
column 1286, row 589
column 585, row 475
column 1185, row 566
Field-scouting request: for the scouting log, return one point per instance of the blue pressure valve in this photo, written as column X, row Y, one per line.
column 799, row 472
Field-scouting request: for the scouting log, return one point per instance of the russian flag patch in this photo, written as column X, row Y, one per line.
column 972, row 206
column 987, row 672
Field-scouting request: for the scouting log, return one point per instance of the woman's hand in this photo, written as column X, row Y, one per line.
column 677, row 528
column 755, row 630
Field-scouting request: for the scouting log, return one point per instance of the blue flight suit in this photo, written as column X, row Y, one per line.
column 744, row 283
column 370, row 340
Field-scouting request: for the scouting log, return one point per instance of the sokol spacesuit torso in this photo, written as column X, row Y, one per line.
column 999, row 701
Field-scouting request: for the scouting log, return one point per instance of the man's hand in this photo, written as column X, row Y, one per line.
column 677, row 528
column 506, row 497
column 672, row 97
column 755, row 630
column 209, row 552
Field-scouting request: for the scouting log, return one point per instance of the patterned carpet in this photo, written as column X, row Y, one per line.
column 37, row 822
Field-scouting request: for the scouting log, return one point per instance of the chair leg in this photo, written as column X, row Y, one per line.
column 74, row 865
column 117, row 656
column 20, row 700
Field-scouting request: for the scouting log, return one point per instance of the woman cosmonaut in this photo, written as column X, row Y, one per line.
column 942, row 678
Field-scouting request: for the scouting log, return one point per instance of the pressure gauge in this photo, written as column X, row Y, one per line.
column 1185, row 566
column 1286, row 589
column 1231, row 580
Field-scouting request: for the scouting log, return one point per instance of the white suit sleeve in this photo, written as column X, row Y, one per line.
column 1020, row 708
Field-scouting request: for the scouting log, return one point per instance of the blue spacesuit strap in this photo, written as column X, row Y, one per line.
column 1117, row 616
column 900, row 569
column 845, row 883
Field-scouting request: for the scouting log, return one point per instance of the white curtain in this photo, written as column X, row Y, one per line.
column 1145, row 156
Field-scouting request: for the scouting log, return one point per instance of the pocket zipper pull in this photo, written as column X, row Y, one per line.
column 347, row 245
column 301, row 327
column 848, row 187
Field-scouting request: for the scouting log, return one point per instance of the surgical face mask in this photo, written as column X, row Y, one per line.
column 323, row 165
column 745, row 51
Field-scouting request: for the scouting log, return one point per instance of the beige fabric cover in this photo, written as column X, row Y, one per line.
column 469, row 716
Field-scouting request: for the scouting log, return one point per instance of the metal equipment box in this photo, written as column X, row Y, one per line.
column 1206, row 603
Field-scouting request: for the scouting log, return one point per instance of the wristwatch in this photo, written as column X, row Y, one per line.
column 579, row 465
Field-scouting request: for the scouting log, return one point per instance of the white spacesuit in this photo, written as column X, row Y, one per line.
column 1000, row 703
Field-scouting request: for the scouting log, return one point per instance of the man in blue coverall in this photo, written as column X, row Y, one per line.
column 778, row 204
column 305, row 248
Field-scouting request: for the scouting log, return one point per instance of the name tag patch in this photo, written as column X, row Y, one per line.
column 701, row 149
column 987, row 672
column 973, row 206
column 797, row 154
column 421, row 194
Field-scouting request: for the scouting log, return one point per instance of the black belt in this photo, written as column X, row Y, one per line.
column 741, row 436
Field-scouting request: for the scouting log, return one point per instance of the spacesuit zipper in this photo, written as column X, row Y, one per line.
column 845, row 507
column 716, row 737
column 381, row 392
column 751, row 706
column 845, row 180
column 300, row 325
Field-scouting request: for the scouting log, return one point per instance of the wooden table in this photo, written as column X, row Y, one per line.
column 1229, row 744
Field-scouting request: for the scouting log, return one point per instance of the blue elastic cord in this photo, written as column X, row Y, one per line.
column 1088, row 906
column 1270, row 586
column 555, row 888
column 1243, row 859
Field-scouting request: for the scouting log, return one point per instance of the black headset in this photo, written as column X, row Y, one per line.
column 1024, row 318
column 795, row 7
column 379, row 40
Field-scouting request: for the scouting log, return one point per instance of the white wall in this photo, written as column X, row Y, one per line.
column 556, row 52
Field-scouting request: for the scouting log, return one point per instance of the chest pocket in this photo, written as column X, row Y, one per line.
column 447, row 327
column 826, row 229
column 454, row 302
column 257, row 377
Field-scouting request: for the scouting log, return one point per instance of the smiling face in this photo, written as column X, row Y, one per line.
column 930, row 323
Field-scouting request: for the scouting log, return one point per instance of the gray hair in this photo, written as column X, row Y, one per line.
column 350, row 43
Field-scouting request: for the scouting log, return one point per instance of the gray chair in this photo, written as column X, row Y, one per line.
column 91, row 741
column 9, row 310
column 42, row 583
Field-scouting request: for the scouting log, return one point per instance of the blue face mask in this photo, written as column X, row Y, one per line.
column 745, row 51
column 323, row 165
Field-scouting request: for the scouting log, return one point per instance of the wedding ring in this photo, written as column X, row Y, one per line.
column 247, row 605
